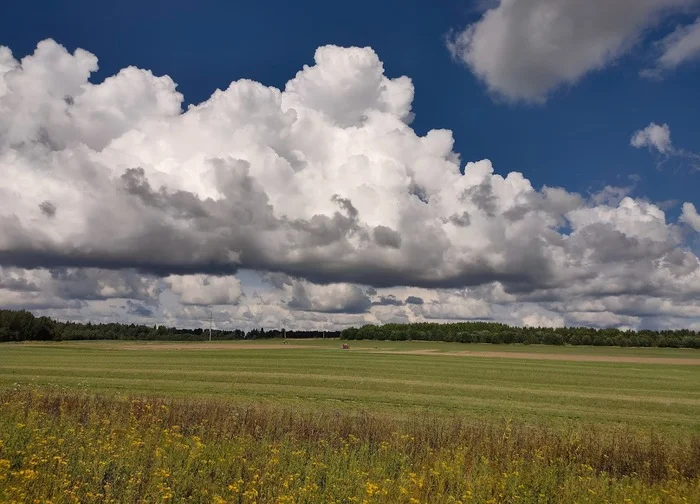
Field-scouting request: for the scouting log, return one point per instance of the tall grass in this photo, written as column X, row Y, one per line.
column 71, row 447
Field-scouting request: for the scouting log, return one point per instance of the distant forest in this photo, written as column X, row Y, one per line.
column 24, row 326
column 491, row 332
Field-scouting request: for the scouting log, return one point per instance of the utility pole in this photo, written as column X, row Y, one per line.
column 211, row 319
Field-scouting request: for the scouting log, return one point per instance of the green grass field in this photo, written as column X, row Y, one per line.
column 318, row 374
column 308, row 422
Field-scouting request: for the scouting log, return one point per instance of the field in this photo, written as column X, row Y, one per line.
column 399, row 378
column 486, row 423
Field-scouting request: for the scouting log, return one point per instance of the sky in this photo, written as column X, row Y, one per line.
column 311, row 165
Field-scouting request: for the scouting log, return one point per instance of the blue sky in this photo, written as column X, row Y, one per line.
column 553, row 90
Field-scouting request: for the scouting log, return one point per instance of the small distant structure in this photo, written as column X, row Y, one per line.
column 346, row 346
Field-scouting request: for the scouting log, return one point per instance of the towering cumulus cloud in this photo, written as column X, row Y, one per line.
column 324, row 181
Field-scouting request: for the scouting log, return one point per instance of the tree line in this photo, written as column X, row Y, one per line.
column 22, row 325
column 492, row 332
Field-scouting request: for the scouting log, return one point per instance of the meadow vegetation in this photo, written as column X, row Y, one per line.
column 385, row 422
column 68, row 447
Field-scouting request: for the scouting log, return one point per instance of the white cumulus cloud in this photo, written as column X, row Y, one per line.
column 204, row 289
column 112, row 193
column 690, row 216
column 524, row 50
column 654, row 136
column 542, row 320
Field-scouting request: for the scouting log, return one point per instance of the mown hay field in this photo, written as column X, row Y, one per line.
column 399, row 378
column 381, row 422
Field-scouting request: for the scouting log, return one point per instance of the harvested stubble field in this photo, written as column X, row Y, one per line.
column 382, row 422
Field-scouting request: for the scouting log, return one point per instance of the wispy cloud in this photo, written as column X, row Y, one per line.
column 679, row 47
